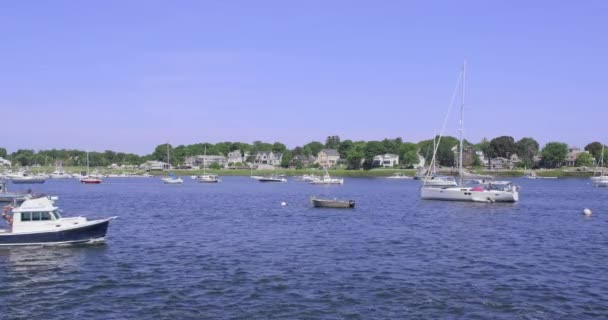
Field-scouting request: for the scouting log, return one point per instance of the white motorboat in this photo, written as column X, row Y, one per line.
column 209, row 178
column 27, row 179
column 400, row 175
column 271, row 179
column 327, row 179
column 59, row 173
column 38, row 222
column 172, row 179
column 489, row 192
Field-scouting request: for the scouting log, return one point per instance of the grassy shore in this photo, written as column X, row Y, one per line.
column 333, row 172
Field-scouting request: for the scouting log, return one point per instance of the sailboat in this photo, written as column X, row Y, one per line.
column 602, row 176
column 495, row 191
column 207, row 178
column 431, row 178
column 88, row 179
column 171, row 178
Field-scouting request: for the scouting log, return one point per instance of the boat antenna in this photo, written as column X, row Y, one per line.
column 460, row 172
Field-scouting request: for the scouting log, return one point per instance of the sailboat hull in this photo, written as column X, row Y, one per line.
column 469, row 195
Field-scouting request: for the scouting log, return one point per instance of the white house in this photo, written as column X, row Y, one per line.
column 236, row 157
column 328, row 158
column 4, row 162
column 155, row 165
column 268, row 157
column 387, row 160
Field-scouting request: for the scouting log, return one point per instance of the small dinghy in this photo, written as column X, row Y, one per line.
column 332, row 203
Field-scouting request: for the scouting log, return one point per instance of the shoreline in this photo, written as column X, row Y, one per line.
column 332, row 172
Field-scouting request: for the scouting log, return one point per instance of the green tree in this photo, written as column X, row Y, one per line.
column 527, row 148
column 503, row 146
column 554, row 154
column 261, row 146
column 344, row 147
column 354, row 157
column 408, row 154
column 278, row 147
column 314, row 147
column 3, row 153
column 595, row 148
column 583, row 160
column 445, row 155
column 215, row 166
column 332, row 142
column 287, row 156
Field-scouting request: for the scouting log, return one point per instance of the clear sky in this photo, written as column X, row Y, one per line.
column 128, row 75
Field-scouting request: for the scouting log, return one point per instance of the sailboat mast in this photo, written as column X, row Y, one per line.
column 460, row 172
column 168, row 156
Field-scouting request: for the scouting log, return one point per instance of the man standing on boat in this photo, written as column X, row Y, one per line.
column 8, row 215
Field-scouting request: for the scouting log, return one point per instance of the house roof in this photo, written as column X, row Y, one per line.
column 330, row 152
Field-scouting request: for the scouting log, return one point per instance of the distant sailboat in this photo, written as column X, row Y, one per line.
column 88, row 179
column 171, row 178
column 207, row 178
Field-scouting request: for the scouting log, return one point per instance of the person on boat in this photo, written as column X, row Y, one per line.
column 7, row 214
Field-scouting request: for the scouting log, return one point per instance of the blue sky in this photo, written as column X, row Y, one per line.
column 129, row 75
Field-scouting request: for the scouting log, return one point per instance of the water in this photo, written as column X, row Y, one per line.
column 231, row 251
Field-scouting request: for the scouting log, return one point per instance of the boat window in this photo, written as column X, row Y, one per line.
column 45, row 216
column 56, row 214
column 35, row 216
column 26, row 216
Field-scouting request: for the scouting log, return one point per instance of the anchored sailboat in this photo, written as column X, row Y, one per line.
column 171, row 178
column 496, row 191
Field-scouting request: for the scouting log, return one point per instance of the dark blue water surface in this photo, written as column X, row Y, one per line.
column 231, row 250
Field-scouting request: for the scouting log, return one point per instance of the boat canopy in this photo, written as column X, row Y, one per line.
column 36, row 205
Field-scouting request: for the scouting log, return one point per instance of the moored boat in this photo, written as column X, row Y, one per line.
column 27, row 180
column 400, row 175
column 271, row 179
column 332, row 203
column 38, row 222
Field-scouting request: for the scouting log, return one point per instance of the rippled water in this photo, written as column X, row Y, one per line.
column 231, row 250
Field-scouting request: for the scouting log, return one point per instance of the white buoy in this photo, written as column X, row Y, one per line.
column 283, row 203
column 587, row 212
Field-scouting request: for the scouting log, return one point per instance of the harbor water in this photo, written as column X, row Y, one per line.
column 233, row 251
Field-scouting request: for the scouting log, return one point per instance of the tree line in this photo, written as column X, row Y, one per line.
column 353, row 154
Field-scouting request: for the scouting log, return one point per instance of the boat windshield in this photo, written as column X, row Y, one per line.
column 56, row 214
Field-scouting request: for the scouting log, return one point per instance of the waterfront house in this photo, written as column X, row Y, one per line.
column 236, row 156
column 468, row 155
column 268, row 158
column 4, row 162
column 304, row 160
column 204, row 160
column 573, row 154
column 328, row 158
column 154, row 166
column 387, row 160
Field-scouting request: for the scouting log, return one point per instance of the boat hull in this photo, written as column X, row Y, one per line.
column 467, row 194
column 338, row 204
column 28, row 181
column 271, row 180
column 91, row 232
column 90, row 181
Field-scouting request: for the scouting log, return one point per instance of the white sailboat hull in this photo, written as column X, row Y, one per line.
column 467, row 194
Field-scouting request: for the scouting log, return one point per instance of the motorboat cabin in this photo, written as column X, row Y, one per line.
column 39, row 222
